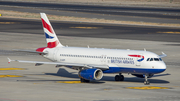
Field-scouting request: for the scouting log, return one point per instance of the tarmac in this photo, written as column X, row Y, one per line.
column 95, row 30
column 27, row 82
column 121, row 12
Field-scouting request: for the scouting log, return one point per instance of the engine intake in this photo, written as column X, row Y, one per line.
column 91, row 74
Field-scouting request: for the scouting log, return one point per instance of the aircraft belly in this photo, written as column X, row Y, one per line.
column 133, row 70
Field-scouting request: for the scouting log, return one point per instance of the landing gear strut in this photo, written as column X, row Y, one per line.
column 84, row 80
column 146, row 82
column 119, row 77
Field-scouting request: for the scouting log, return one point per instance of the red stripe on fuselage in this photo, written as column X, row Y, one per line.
column 139, row 56
column 45, row 25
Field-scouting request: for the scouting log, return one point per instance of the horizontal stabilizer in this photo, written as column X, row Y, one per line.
column 29, row 51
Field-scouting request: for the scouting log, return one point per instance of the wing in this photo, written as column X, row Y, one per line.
column 70, row 65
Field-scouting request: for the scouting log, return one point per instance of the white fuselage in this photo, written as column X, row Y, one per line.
column 118, row 61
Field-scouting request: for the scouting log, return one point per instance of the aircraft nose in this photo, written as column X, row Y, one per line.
column 161, row 66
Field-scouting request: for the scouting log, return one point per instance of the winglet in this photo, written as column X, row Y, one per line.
column 9, row 60
column 163, row 55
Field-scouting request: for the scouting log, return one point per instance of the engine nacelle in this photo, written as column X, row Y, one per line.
column 91, row 74
column 143, row 76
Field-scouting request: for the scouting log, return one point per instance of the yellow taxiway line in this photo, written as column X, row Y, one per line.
column 86, row 27
column 170, row 32
column 3, row 76
column 70, row 82
column 148, row 88
column 12, row 69
column 8, row 22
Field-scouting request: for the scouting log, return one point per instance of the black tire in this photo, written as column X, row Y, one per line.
column 87, row 81
column 117, row 78
column 146, row 82
column 121, row 78
column 84, row 80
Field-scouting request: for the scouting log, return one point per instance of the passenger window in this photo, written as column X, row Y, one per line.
column 151, row 59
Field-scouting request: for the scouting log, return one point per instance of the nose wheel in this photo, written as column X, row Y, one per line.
column 119, row 77
column 146, row 82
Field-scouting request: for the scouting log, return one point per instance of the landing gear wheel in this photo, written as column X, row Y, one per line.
column 119, row 78
column 146, row 82
column 84, row 80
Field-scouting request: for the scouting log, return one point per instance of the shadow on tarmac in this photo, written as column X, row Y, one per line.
column 64, row 73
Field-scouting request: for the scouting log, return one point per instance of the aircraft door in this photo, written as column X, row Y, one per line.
column 103, row 58
column 55, row 54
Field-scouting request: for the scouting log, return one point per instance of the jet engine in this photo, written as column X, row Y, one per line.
column 143, row 75
column 91, row 74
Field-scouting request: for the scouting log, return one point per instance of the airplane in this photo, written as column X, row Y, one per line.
column 92, row 63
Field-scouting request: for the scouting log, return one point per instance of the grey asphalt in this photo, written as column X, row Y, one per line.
column 42, row 83
column 102, row 30
column 125, row 13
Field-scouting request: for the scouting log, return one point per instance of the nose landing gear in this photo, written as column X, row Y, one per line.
column 146, row 82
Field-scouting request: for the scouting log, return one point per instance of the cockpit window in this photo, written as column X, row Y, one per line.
column 154, row 59
column 151, row 59
column 148, row 59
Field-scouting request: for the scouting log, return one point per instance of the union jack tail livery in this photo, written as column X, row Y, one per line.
column 51, row 38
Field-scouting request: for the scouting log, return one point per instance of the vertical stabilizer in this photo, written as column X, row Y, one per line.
column 51, row 38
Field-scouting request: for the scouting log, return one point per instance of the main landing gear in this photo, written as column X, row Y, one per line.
column 119, row 77
column 84, row 80
column 146, row 82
